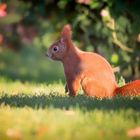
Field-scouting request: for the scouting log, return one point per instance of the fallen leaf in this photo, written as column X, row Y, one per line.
column 69, row 112
column 134, row 132
column 41, row 131
column 14, row 133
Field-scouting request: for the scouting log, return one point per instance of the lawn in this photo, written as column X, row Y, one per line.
column 32, row 105
column 40, row 111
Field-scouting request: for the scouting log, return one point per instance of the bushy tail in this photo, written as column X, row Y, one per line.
column 130, row 89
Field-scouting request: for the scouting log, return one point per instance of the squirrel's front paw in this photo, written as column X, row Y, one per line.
column 72, row 95
column 66, row 88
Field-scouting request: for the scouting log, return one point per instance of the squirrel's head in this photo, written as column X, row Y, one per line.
column 58, row 49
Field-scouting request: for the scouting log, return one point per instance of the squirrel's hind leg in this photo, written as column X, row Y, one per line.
column 93, row 88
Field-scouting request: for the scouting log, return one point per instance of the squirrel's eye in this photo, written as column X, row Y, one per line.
column 55, row 49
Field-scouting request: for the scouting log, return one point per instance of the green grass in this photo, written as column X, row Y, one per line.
column 40, row 111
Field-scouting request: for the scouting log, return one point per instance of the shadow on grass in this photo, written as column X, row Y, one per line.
column 80, row 101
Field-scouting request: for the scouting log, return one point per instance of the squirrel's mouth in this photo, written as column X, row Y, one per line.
column 48, row 55
column 51, row 56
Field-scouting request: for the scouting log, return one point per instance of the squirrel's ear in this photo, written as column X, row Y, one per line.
column 62, row 40
column 66, row 31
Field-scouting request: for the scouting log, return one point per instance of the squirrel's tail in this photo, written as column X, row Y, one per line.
column 130, row 89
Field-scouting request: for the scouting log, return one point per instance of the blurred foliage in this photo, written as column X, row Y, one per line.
column 29, row 65
column 108, row 27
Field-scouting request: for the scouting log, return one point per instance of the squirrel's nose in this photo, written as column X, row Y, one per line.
column 48, row 54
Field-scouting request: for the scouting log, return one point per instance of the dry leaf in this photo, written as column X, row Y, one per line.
column 135, row 132
column 14, row 133
column 41, row 130
column 69, row 112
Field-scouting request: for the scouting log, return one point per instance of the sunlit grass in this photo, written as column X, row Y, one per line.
column 19, row 87
column 44, row 111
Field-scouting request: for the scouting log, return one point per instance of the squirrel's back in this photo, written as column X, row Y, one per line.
column 95, row 62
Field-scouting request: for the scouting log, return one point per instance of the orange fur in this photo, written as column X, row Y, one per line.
column 131, row 89
column 88, row 70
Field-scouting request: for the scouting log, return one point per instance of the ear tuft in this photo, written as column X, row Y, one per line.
column 66, row 31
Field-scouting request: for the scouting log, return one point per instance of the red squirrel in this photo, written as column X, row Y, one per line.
column 88, row 70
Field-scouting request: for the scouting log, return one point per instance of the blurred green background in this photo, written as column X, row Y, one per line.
column 27, row 28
